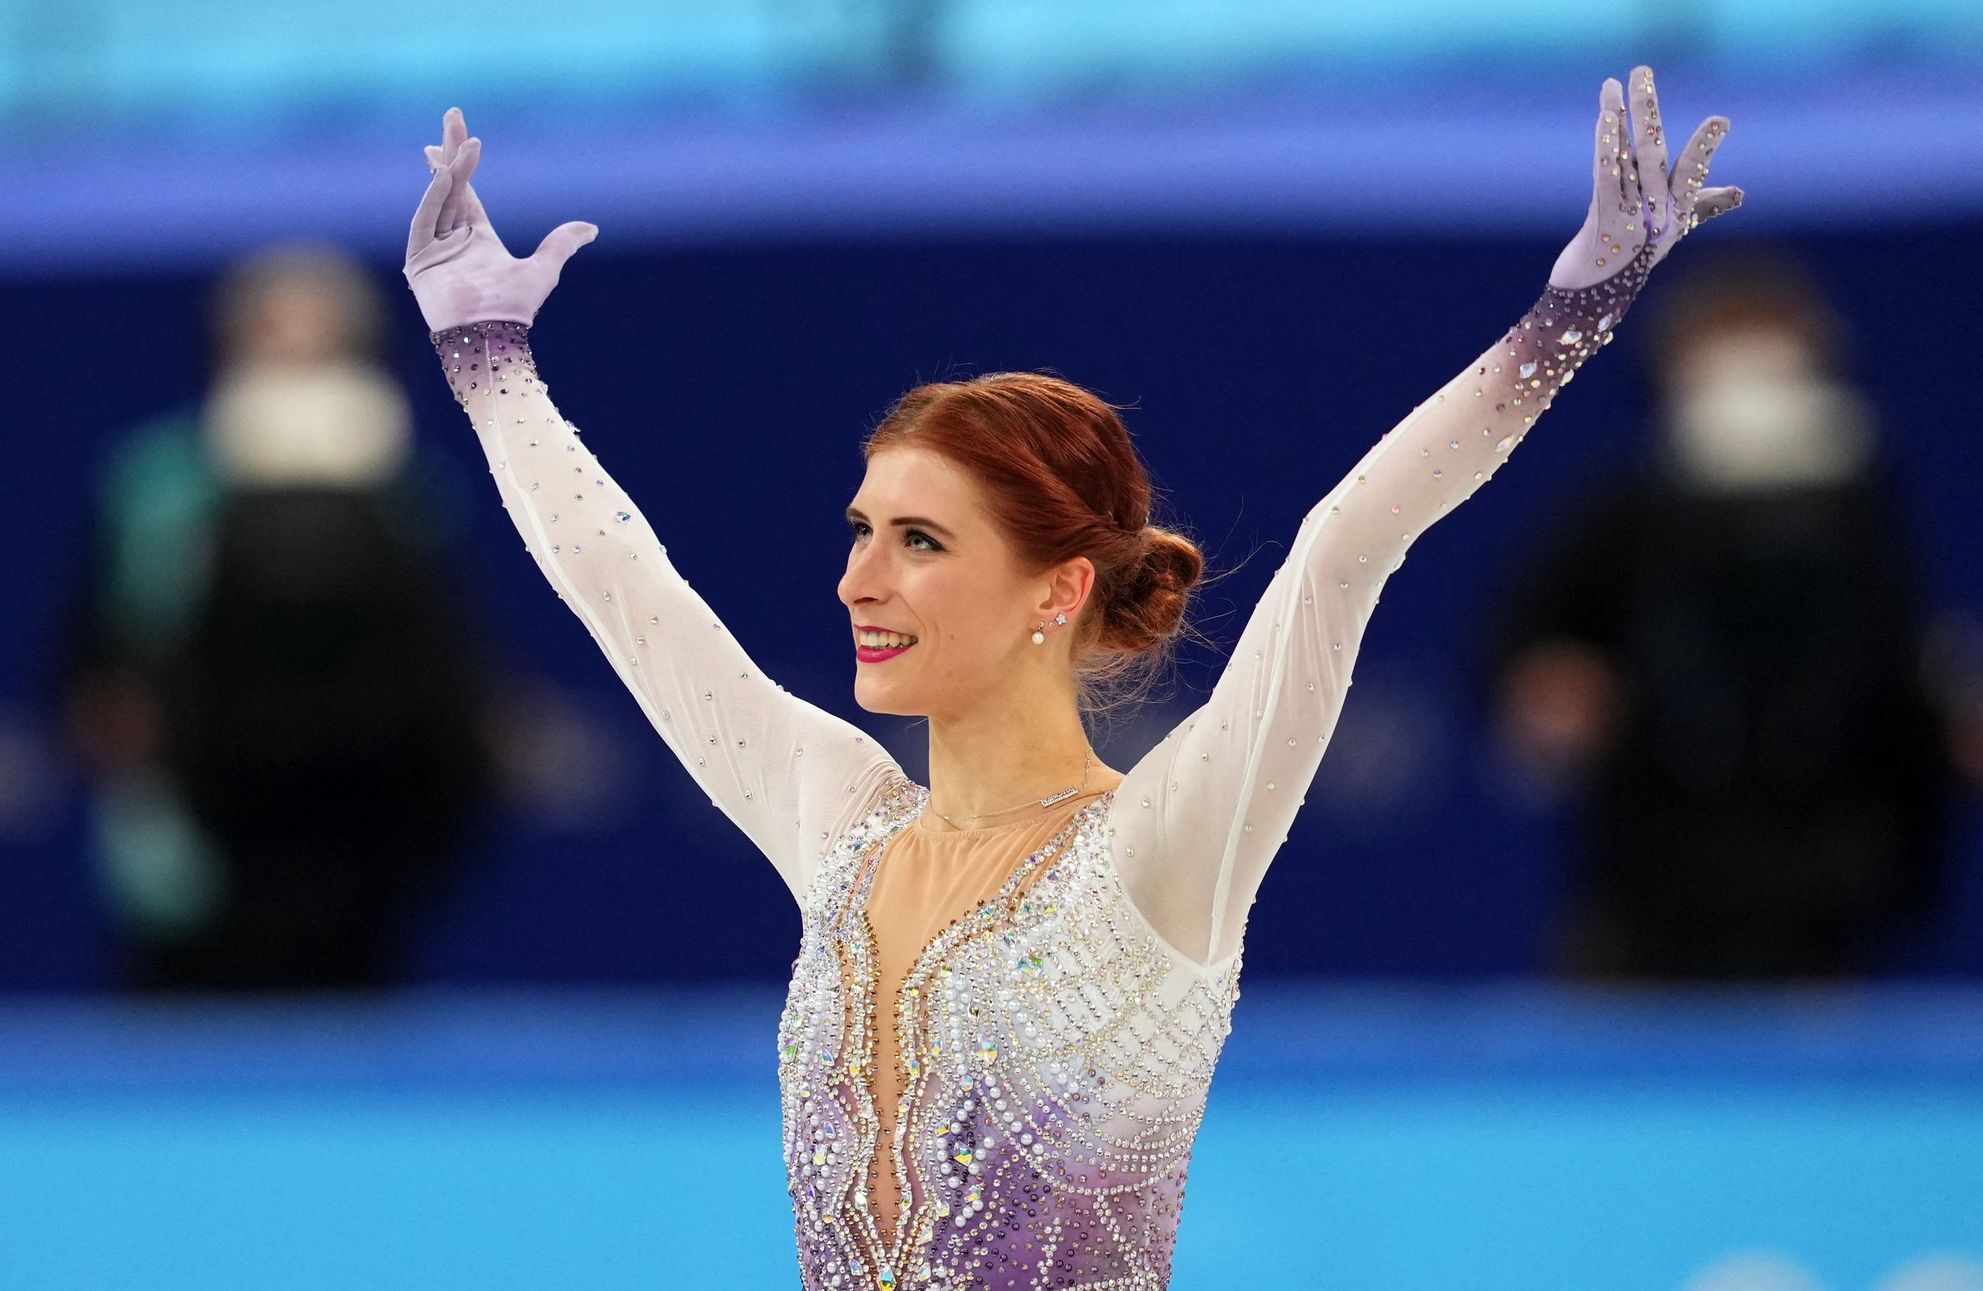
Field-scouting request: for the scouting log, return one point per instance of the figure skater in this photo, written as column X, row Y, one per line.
column 1013, row 984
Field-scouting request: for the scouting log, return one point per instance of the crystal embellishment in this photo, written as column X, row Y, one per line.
column 1023, row 1152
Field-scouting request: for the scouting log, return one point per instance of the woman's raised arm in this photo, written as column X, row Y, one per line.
column 1200, row 817
column 789, row 774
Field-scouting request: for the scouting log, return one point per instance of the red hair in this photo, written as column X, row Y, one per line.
column 1056, row 467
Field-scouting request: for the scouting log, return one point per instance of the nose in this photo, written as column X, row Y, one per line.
column 864, row 577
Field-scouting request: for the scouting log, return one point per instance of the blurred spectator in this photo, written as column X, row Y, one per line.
column 272, row 686
column 1724, row 654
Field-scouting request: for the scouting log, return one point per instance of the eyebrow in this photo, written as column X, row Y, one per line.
column 854, row 513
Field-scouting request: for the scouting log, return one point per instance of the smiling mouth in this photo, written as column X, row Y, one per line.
column 877, row 654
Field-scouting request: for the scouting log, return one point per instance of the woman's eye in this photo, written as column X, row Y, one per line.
column 859, row 529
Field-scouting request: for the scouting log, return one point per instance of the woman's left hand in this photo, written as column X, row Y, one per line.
column 1635, row 201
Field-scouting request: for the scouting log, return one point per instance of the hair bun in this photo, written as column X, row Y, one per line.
column 1150, row 600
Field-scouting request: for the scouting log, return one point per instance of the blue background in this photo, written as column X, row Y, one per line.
column 727, row 388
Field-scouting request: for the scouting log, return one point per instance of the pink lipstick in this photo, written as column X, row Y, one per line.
column 877, row 654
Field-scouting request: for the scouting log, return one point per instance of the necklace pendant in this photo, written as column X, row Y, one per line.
column 1064, row 794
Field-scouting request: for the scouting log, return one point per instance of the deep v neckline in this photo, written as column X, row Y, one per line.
column 864, row 881
column 981, row 918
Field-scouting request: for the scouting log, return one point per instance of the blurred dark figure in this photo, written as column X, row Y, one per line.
column 272, row 684
column 1723, row 652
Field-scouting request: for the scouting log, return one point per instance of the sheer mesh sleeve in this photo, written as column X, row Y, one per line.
column 787, row 773
column 1199, row 818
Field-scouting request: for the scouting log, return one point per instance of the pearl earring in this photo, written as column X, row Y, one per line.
column 1040, row 637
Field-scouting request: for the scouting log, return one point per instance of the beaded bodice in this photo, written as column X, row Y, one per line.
column 1056, row 1054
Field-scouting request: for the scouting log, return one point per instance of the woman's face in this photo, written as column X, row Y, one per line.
column 925, row 560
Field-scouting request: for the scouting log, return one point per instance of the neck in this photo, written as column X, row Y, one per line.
column 996, row 760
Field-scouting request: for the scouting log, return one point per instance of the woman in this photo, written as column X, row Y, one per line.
column 1012, row 985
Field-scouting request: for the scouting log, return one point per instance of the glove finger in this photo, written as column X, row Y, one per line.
column 1649, row 140
column 1614, row 174
column 456, row 212
column 1692, row 168
column 559, row 243
column 454, row 133
column 471, row 204
column 426, row 218
column 1603, row 186
column 1710, row 202
column 471, row 208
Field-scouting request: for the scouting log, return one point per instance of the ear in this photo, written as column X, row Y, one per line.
column 1069, row 585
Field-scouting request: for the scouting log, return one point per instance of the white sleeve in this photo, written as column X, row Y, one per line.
column 1198, row 819
column 789, row 774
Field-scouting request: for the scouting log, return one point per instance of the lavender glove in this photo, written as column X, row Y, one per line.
column 1638, row 212
column 1634, row 204
column 458, row 268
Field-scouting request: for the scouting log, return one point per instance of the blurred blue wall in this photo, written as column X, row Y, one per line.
column 727, row 390
column 1275, row 231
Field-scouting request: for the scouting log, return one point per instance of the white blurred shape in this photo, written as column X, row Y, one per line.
column 1751, row 411
column 336, row 424
column 1935, row 1273
column 1755, row 1271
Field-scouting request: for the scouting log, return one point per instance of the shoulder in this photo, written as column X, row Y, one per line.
column 894, row 797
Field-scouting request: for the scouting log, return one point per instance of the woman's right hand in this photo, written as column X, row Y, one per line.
column 458, row 268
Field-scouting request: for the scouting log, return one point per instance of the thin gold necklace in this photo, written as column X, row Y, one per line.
column 1087, row 761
